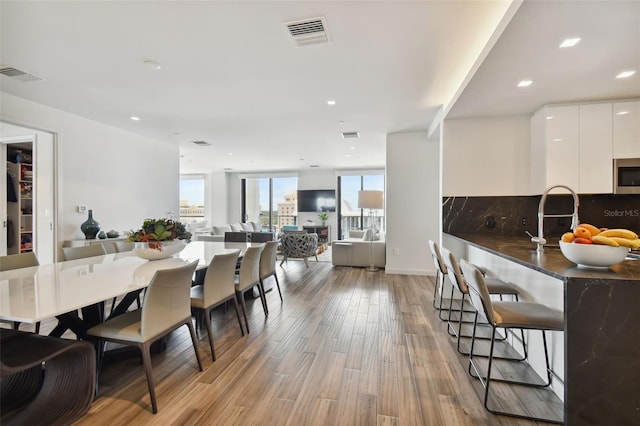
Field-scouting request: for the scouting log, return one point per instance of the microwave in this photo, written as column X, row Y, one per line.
column 626, row 176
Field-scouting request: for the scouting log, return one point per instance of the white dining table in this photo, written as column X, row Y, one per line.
column 37, row 293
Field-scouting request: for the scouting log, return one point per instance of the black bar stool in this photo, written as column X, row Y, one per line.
column 495, row 286
column 522, row 315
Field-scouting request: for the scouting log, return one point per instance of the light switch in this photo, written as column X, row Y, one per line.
column 82, row 208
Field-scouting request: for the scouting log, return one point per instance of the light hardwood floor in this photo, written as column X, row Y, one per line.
column 346, row 347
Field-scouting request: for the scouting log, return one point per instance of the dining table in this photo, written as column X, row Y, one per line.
column 59, row 290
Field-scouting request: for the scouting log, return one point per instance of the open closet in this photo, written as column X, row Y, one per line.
column 27, row 191
column 20, row 180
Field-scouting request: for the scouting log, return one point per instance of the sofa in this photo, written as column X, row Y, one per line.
column 217, row 232
column 355, row 250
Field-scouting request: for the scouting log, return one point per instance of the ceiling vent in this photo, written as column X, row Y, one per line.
column 18, row 74
column 202, row 143
column 350, row 135
column 308, row 31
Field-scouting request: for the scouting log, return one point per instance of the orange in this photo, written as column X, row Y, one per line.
column 592, row 229
column 581, row 232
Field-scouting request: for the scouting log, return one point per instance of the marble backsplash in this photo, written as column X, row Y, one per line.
column 514, row 215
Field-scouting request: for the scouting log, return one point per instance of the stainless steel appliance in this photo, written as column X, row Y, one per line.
column 626, row 176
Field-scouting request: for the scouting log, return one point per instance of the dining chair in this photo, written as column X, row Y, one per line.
column 17, row 261
column 268, row 264
column 166, row 307
column 248, row 278
column 45, row 380
column 122, row 246
column 81, row 252
column 218, row 288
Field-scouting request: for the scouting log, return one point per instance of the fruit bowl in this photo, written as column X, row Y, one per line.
column 594, row 256
column 155, row 250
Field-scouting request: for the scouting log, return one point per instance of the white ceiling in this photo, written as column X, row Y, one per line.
column 232, row 76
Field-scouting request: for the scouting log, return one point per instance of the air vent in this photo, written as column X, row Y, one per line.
column 18, row 74
column 350, row 135
column 308, row 31
column 202, row 143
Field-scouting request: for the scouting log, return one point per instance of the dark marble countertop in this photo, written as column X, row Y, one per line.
column 551, row 261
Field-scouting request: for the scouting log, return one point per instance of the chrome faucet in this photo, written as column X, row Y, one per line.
column 539, row 240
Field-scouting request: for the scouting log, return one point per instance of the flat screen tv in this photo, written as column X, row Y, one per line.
column 317, row 200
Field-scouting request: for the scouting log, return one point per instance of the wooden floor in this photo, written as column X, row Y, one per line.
column 345, row 347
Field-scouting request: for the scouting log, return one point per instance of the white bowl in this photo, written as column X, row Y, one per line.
column 593, row 255
column 155, row 251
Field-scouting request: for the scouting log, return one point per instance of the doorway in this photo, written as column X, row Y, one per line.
column 27, row 210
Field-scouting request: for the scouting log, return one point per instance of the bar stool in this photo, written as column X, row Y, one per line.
column 441, row 272
column 522, row 315
column 495, row 286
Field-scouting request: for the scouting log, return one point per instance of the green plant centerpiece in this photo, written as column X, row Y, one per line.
column 159, row 238
column 323, row 217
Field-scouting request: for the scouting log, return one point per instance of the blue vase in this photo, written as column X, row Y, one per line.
column 90, row 227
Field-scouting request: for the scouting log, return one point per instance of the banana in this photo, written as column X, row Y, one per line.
column 632, row 244
column 599, row 239
column 623, row 233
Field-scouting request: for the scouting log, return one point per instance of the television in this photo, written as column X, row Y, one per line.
column 317, row 200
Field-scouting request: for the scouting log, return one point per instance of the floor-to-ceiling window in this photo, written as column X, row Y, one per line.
column 350, row 216
column 192, row 205
column 272, row 201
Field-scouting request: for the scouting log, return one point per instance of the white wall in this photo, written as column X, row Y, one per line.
column 486, row 156
column 123, row 177
column 412, row 202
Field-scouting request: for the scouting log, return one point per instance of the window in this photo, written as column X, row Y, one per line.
column 271, row 201
column 350, row 216
column 192, row 206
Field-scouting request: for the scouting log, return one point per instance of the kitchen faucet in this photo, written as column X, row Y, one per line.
column 539, row 240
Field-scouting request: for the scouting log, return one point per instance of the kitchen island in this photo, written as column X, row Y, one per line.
column 601, row 340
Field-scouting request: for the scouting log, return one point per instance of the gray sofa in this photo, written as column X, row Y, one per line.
column 355, row 250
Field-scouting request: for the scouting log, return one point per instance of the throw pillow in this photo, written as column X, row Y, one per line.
column 236, row 227
column 220, row 230
column 246, row 227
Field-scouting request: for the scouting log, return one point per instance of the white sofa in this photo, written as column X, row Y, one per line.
column 355, row 250
column 217, row 232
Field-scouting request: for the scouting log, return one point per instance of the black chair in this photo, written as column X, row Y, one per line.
column 236, row 237
column 44, row 379
column 260, row 237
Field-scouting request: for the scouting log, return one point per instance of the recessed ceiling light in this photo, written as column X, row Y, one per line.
column 549, row 117
column 625, row 74
column 229, row 153
column 302, row 159
column 341, row 122
column 525, row 83
column 622, row 113
column 314, row 165
column 352, row 148
column 152, row 64
column 570, row 42
column 557, row 139
column 331, row 102
column 134, row 118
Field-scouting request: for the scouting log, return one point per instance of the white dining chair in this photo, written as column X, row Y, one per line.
column 218, row 288
column 167, row 306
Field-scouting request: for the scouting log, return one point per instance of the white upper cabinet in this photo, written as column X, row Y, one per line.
column 596, row 149
column 572, row 145
column 626, row 129
column 554, row 148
